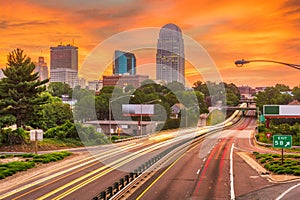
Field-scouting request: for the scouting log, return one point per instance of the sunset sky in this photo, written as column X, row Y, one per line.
column 227, row 29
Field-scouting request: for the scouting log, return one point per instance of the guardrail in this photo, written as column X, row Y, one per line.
column 130, row 138
column 119, row 188
column 116, row 191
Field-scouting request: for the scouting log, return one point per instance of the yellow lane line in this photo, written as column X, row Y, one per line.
column 146, row 190
column 95, row 177
column 113, row 165
column 62, row 172
column 55, row 180
column 88, row 158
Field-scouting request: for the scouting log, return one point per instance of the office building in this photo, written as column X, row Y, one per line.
column 64, row 64
column 64, row 75
column 170, row 55
column 124, row 80
column 95, row 85
column 124, row 63
column 64, row 56
column 42, row 68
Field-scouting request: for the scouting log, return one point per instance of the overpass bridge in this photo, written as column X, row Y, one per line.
column 239, row 108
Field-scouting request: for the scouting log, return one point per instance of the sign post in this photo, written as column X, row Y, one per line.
column 36, row 135
column 282, row 141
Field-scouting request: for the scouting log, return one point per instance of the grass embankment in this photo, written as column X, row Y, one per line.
column 272, row 162
column 30, row 161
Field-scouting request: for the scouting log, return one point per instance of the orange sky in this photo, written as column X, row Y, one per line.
column 228, row 30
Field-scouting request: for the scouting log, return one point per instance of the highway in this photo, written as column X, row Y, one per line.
column 94, row 173
column 221, row 174
column 207, row 165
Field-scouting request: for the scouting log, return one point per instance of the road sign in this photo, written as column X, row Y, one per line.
column 268, row 134
column 271, row 110
column 282, row 141
column 36, row 135
column 262, row 119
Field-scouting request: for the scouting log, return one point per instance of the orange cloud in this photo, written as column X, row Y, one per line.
column 228, row 30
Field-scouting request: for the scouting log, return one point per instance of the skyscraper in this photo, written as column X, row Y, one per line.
column 64, row 64
column 64, row 56
column 41, row 68
column 124, row 63
column 170, row 54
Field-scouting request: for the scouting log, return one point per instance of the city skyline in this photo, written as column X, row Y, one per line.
column 228, row 30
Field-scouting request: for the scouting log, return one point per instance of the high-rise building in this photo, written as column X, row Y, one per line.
column 64, row 75
column 170, row 54
column 64, row 64
column 42, row 68
column 64, row 56
column 124, row 63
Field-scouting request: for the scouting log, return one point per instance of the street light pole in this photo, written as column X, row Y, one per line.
column 109, row 114
column 240, row 63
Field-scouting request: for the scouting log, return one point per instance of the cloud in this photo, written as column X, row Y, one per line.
column 228, row 30
column 4, row 24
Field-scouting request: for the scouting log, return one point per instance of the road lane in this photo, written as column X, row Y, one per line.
column 55, row 175
column 109, row 165
column 206, row 178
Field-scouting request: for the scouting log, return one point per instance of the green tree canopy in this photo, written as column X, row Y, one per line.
column 272, row 95
column 296, row 93
column 58, row 89
column 214, row 92
column 19, row 91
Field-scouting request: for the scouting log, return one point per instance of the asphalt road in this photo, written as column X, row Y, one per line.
column 201, row 172
column 196, row 177
column 87, row 177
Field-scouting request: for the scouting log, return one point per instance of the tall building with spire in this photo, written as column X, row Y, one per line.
column 170, row 54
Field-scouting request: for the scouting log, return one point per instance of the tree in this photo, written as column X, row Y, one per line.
column 101, row 106
column 58, row 89
column 214, row 92
column 296, row 93
column 85, row 109
column 175, row 86
column 57, row 113
column 282, row 87
column 79, row 93
column 111, row 89
column 272, row 95
column 19, row 91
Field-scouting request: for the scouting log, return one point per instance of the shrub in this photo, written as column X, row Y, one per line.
column 296, row 172
column 12, row 137
column 262, row 161
column 276, row 156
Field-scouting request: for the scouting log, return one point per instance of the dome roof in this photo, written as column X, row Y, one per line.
column 172, row 27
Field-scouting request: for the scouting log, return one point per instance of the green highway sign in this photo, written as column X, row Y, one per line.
column 271, row 109
column 282, row 141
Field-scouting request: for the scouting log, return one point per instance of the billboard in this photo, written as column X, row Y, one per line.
column 138, row 109
column 281, row 110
